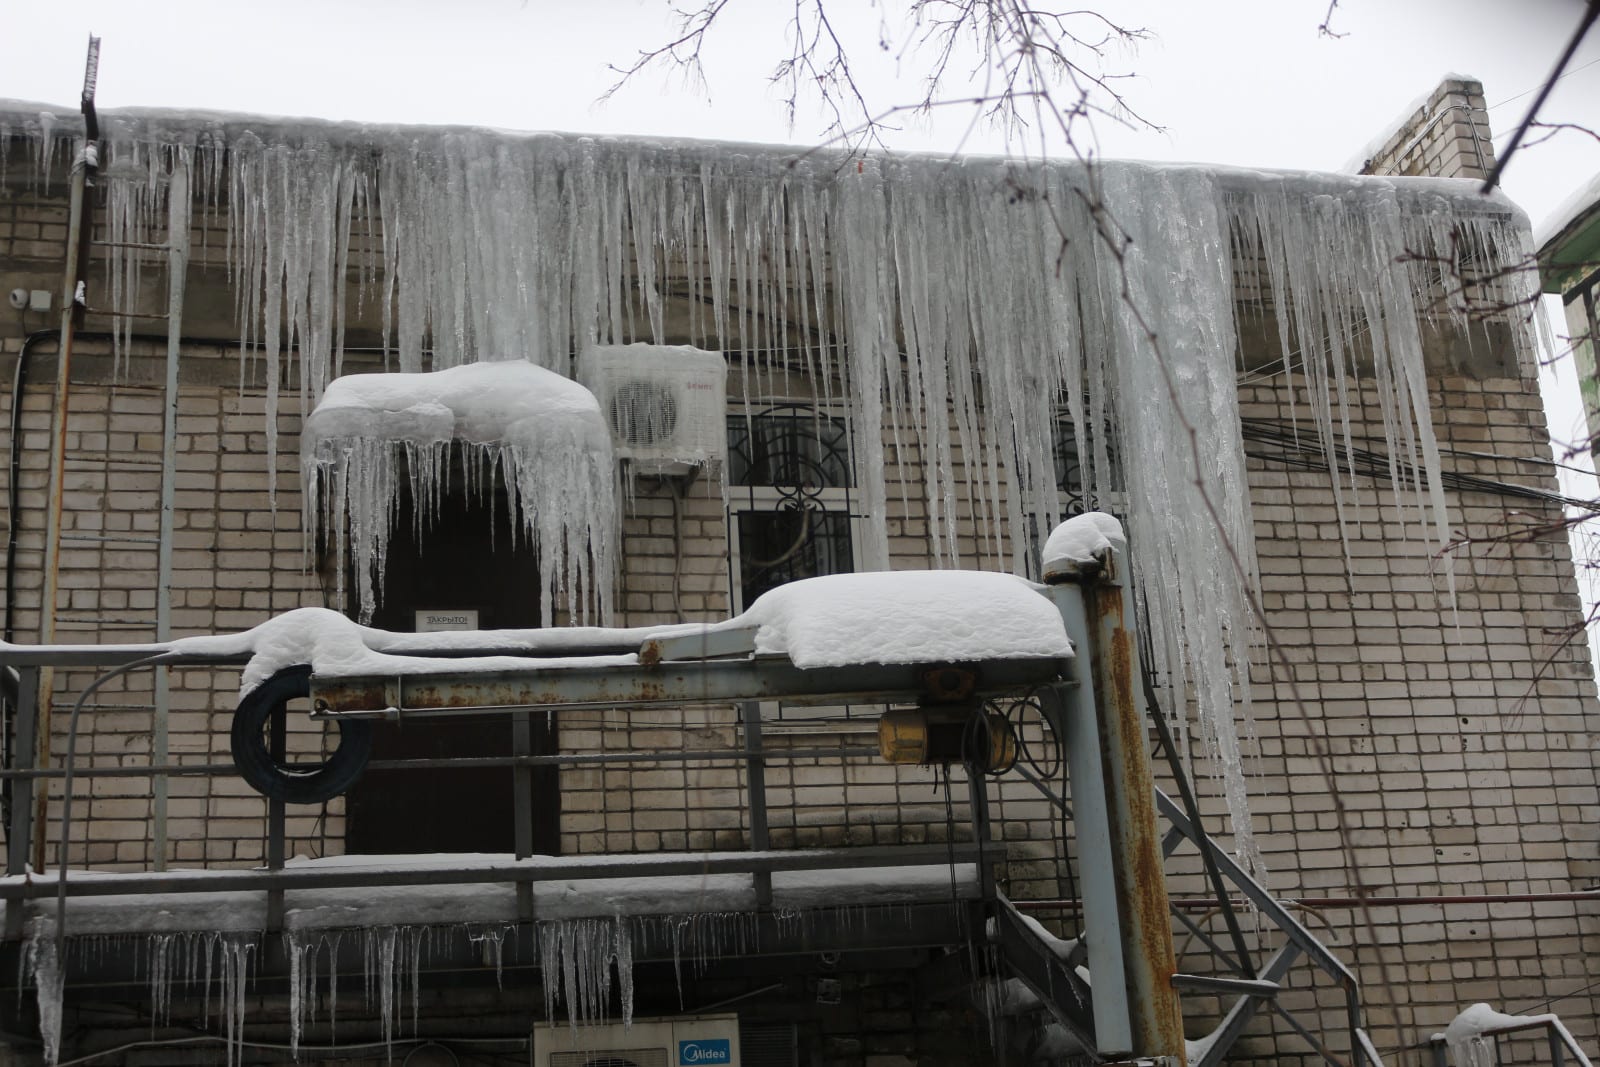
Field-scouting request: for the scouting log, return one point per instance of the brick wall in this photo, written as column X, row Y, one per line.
column 1460, row 735
column 1446, row 137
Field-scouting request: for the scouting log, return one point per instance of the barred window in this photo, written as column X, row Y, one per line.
column 790, row 497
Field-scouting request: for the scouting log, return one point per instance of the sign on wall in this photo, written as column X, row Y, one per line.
column 434, row 621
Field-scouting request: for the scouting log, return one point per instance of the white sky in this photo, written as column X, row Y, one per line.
column 1242, row 82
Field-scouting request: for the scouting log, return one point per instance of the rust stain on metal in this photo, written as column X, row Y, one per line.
column 948, row 684
column 354, row 696
column 1144, row 847
column 1147, row 931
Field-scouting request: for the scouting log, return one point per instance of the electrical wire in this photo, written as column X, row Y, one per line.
column 1564, row 996
column 1297, row 451
column 1536, row 88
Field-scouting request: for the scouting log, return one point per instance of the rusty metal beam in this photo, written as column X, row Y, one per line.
column 667, row 684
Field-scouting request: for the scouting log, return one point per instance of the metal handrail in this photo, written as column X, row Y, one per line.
column 1265, row 983
column 1560, row 1040
column 28, row 661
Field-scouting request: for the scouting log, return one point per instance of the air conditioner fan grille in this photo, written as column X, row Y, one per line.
column 643, row 413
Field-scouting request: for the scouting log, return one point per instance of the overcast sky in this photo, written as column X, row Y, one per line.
column 1244, row 82
column 1249, row 83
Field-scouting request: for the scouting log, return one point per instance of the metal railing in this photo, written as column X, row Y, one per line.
column 1252, row 986
column 1563, row 1048
column 25, row 780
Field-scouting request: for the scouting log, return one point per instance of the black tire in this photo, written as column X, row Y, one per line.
column 299, row 783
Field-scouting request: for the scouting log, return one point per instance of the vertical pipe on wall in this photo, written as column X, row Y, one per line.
column 177, row 266
column 77, row 255
column 1147, row 949
column 1074, row 707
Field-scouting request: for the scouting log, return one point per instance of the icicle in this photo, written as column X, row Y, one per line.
column 236, row 953
column 296, row 951
column 363, row 451
column 576, row 957
column 961, row 308
column 46, row 971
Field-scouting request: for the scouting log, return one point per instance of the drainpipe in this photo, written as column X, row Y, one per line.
column 78, row 237
column 177, row 265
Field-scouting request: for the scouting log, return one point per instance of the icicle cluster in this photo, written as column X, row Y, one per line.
column 959, row 308
column 507, row 425
column 580, row 960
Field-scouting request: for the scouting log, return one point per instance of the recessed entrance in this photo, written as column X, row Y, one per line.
column 465, row 561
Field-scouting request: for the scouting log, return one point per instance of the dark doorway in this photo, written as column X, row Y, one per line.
column 466, row 560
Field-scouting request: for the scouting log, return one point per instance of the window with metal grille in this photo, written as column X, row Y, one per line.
column 790, row 488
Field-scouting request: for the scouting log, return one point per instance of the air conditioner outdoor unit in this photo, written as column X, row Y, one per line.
column 667, row 404
column 688, row 1041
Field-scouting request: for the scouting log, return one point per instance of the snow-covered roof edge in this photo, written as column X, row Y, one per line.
column 18, row 117
column 1584, row 202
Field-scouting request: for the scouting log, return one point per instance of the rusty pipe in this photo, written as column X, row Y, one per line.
column 72, row 302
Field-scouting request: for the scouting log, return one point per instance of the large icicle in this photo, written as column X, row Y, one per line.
column 959, row 308
column 576, row 958
column 1167, row 293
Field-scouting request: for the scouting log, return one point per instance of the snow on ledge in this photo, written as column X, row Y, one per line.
column 244, row 911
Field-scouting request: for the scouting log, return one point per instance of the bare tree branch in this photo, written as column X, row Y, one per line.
column 1325, row 29
column 1021, row 56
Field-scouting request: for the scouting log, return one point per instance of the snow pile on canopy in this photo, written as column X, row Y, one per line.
column 960, row 306
column 839, row 620
column 905, row 617
column 540, row 435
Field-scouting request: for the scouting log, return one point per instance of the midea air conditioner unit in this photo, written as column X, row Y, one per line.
column 690, row 1041
column 667, row 404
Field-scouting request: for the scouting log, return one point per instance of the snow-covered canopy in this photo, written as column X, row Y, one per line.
column 905, row 617
column 840, row 620
column 542, row 433
column 960, row 307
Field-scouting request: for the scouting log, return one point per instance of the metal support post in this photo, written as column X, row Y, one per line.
column 1074, row 707
column 1144, row 927
column 522, row 786
column 756, row 785
column 1352, row 1004
column 19, row 834
column 277, row 812
column 522, row 805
